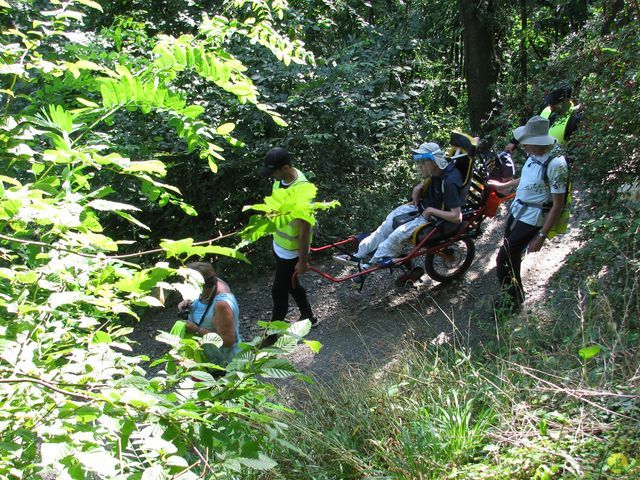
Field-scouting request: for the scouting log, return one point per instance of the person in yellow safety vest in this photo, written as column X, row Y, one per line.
column 291, row 243
column 562, row 114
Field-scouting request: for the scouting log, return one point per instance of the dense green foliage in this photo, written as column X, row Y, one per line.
column 140, row 124
column 387, row 77
column 74, row 402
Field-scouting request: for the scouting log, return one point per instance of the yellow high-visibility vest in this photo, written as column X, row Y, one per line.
column 560, row 125
column 287, row 236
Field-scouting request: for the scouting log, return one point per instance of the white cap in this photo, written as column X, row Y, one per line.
column 436, row 153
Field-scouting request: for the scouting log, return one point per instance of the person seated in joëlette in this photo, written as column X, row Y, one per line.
column 438, row 196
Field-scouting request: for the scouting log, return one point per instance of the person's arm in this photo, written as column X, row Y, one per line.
column 454, row 215
column 504, row 187
column 192, row 327
column 572, row 124
column 225, row 326
column 304, row 242
column 184, row 305
column 452, row 203
column 416, row 194
column 558, row 204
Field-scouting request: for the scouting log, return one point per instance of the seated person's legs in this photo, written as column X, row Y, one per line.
column 392, row 246
column 370, row 243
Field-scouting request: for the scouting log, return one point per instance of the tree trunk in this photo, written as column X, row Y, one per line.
column 479, row 58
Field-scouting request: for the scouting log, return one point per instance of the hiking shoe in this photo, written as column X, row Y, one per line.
column 384, row 262
column 348, row 259
column 313, row 319
column 361, row 278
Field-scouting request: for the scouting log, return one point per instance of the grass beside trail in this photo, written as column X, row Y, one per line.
column 556, row 396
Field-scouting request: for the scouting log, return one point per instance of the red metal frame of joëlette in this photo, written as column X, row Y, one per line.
column 473, row 219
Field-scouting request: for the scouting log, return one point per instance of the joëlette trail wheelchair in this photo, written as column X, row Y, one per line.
column 447, row 254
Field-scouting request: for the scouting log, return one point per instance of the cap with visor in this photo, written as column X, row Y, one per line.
column 275, row 158
column 430, row 151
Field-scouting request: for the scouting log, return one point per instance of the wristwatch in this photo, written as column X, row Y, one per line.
column 541, row 234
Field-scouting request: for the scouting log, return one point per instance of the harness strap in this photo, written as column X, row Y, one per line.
column 544, row 207
column 211, row 299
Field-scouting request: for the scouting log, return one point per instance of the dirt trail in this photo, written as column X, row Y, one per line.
column 364, row 329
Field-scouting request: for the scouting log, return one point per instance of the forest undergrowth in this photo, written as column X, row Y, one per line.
column 555, row 396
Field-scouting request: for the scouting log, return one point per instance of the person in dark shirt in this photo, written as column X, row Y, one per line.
column 439, row 195
column 563, row 115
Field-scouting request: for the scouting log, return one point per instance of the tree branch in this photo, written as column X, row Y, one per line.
column 107, row 257
column 48, row 385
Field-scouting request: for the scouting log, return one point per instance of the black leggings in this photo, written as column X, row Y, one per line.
column 510, row 257
column 282, row 287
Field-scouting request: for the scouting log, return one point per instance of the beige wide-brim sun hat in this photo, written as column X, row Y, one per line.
column 535, row 132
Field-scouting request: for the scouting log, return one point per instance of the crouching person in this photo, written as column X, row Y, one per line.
column 216, row 310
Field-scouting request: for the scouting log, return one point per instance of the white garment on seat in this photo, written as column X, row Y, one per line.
column 385, row 239
column 392, row 246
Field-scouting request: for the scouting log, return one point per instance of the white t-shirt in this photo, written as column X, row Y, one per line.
column 532, row 188
column 283, row 253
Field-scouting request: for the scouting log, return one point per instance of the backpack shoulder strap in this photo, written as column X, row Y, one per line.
column 545, row 169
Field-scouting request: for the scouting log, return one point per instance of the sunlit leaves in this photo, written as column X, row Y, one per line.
column 60, row 118
column 76, row 402
column 279, row 368
column 90, row 3
column 185, row 249
column 143, row 280
column 587, row 353
column 283, row 207
column 223, row 70
column 64, row 298
column 314, row 345
column 225, row 129
column 101, row 337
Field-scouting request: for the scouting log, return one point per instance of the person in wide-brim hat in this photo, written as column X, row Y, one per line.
column 538, row 203
column 535, row 132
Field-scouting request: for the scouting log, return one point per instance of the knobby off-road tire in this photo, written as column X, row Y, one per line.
column 444, row 269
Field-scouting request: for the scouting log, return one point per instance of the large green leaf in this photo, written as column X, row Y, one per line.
column 278, row 368
column 145, row 280
column 184, row 248
column 587, row 353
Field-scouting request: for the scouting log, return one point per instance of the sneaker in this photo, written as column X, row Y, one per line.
column 348, row 259
column 313, row 319
column 384, row 262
